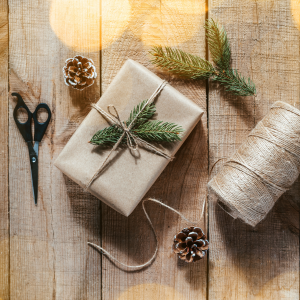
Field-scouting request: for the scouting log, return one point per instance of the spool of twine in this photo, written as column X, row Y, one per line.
column 263, row 168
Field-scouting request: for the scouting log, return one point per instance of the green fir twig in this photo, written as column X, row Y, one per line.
column 194, row 67
column 235, row 83
column 144, row 116
column 218, row 44
column 182, row 63
column 159, row 131
column 151, row 131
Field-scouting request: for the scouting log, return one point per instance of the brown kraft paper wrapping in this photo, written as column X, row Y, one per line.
column 127, row 177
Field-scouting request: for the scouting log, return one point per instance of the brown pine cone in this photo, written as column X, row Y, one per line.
column 190, row 244
column 79, row 72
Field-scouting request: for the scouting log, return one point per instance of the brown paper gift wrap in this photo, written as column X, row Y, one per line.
column 126, row 178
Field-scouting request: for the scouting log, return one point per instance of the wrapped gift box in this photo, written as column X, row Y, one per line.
column 127, row 177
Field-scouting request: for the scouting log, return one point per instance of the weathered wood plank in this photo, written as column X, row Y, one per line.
column 260, row 263
column 4, row 217
column 50, row 258
column 182, row 184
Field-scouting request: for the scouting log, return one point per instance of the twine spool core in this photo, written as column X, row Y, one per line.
column 263, row 168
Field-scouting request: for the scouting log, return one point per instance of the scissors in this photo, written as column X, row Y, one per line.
column 33, row 144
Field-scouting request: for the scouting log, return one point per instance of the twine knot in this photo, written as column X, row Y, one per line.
column 132, row 140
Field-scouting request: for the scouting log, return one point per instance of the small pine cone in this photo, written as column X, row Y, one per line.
column 190, row 244
column 79, row 72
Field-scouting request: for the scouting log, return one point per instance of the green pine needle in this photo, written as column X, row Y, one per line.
column 191, row 66
column 181, row 63
column 235, row 83
column 144, row 116
column 159, row 131
column 218, row 44
column 151, row 131
column 108, row 135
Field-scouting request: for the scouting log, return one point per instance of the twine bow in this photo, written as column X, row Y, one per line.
column 132, row 139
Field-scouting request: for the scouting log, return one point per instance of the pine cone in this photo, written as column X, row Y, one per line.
column 79, row 72
column 190, row 244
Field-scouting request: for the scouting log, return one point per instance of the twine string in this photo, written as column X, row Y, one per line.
column 149, row 262
column 131, row 139
column 263, row 168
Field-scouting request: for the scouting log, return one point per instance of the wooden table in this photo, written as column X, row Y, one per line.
column 43, row 250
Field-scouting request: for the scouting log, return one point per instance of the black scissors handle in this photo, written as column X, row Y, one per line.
column 25, row 128
column 40, row 128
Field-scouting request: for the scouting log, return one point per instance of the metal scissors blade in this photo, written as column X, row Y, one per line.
column 33, row 156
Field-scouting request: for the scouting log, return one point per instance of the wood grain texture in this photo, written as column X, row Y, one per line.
column 4, row 217
column 181, row 185
column 47, row 250
column 259, row 263
column 50, row 258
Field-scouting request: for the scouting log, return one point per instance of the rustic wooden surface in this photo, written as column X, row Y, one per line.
column 4, row 217
column 49, row 257
column 247, row 263
column 182, row 184
column 43, row 249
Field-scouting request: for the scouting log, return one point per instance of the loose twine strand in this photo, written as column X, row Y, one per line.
column 149, row 262
column 263, row 168
column 126, row 267
column 132, row 139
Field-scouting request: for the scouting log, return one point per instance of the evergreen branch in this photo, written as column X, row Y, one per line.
column 218, row 44
column 235, row 83
column 108, row 135
column 191, row 66
column 181, row 63
column 145, row 114
column 159, row 131
column 152, row 131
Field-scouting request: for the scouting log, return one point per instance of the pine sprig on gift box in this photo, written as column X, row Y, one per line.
column 152, row 131
column 158, row 131
column 144, row 116
column 108, row 135
column 194, row 67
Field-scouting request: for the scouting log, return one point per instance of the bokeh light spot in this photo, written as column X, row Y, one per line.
column 78, row 23
column 295, row 11
column 166, row 22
